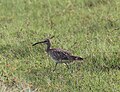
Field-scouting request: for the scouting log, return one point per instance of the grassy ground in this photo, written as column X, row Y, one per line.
column 87, row 28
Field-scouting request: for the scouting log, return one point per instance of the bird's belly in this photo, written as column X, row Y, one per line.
column 61, row 61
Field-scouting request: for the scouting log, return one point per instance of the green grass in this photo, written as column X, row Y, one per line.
column 87, row 28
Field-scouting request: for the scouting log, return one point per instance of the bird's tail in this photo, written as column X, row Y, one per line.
column 76, row 58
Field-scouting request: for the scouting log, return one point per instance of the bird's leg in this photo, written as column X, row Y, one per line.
column 55, row 66
column 67, row 65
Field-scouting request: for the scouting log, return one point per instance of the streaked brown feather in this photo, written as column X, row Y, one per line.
column 59, row 54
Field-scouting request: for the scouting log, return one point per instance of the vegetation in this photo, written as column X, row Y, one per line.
column 87, row 28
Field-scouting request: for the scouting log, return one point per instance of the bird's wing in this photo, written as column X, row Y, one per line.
column 59, row 54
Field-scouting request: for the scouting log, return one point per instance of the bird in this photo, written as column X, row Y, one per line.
column 58, row 55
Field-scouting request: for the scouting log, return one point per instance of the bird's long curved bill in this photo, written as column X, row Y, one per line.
column 37, row 43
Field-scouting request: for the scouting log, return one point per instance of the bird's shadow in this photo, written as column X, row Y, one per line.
column 61, row 70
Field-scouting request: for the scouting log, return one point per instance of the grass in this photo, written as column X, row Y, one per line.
column 87, row 28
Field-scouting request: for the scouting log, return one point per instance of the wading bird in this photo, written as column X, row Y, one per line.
column 59, row 55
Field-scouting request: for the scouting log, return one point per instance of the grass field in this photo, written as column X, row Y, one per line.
column 87, row 28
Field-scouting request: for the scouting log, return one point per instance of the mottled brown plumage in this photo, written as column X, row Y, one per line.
column 59, row 55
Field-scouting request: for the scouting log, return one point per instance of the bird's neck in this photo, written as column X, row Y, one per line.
column 48, row 47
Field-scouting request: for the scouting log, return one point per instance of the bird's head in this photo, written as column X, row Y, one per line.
column 46, row 41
